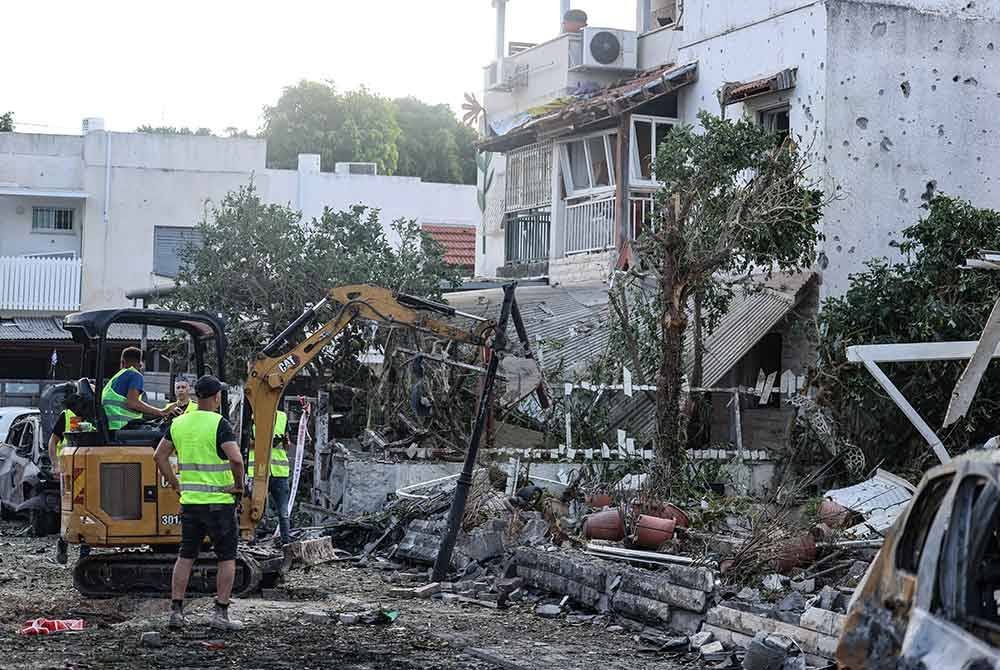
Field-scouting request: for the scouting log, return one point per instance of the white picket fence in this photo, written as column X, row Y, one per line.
column 40, row 284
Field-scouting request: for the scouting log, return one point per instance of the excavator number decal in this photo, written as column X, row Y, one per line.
column 288, row 364
column 170, row 519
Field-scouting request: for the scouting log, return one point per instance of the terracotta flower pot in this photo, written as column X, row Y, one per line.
column 663, row 510
column 833, row 514
column 652, row 531
column 606, row 525
column 796, row 553
column 599, row 500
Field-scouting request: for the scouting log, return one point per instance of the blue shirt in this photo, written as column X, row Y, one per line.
column 130, row 379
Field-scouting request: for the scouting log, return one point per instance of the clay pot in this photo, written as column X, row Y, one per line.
column 833, row 514
column 796, row 553
column 652, row 531
column 606, row 525
column 599, row 500
column 663, row 510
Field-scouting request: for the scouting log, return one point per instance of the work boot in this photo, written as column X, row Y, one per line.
column 177, row 619
column 220, row 619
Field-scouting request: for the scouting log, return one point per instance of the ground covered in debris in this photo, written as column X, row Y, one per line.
column 296, row 626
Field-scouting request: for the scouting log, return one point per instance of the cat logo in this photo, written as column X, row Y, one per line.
column 288, row 363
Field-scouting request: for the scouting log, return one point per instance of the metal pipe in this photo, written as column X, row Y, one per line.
column 564, row 6
column 644, row 16
column 501, row 47
column 272, row 347
column 443, row 562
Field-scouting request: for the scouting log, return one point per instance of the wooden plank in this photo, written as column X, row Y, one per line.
column 765, row 396
column 968, row 383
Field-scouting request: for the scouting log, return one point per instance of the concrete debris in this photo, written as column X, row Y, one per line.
column 763, row 654
column 804, row 586
column 699, row 640
column 749, row 595
column 348, row 619
column 828, row 597
column 549, row 611
column 712, row 648
column 774, row 583
column 151, row 638
column 880, row 500
column 320, row 618
column 793, row 602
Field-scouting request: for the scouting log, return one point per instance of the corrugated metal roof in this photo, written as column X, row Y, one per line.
column 50, row 328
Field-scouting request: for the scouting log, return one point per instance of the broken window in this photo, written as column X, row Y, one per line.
column 777, row 121
column 588, row 164
column 918, row 524
column 648, row 132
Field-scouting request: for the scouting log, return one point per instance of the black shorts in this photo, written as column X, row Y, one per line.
column 217, row 522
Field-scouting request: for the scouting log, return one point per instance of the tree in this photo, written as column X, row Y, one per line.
column 433, row 145
column 924, row 297
column 7, row 122
column 734, row 200
column 259, row 264
column 171, row 130
column 311, row 117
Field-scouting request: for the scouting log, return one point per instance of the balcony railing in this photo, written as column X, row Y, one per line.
column 641, row 214
column 40, row 284
column 526, row 236
column 590, row 226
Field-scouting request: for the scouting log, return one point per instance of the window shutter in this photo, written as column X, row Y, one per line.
column 168, row 241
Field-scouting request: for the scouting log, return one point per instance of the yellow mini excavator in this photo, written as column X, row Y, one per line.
column 112, row 496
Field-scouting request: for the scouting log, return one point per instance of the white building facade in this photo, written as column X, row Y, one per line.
column 86, row 219
column 894, row 99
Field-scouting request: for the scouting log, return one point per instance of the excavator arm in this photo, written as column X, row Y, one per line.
column 274, row 368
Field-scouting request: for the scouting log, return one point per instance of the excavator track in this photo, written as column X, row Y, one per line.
column 109, row 575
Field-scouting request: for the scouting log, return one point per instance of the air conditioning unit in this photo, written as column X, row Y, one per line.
column 366, row 169
column 610, row 49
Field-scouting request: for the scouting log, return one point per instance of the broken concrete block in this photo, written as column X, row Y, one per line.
column 804, row 586
column 320, row 618
column 823, row 621
column 450, row 597
column 548, row 611
column 348, row 619
column 793, row 602
column 651, row 585
column 313, row 552
column 488, row 597
column 749, row 595
column 827, row 597
column 746, row 623
column 509, row 585
column 427, row 590
column 151, row 638
column 712, row 648
column 773, row 582
column 402, row 593
column 762, row 655
column 795, row 663
column 638, row 607
column 699, row 640
column 684, row 621
column 780, row 642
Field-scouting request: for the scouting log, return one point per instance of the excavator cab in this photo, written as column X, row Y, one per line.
column 111, row 492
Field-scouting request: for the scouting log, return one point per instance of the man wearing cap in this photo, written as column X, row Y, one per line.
column 574, row 21
column 210, row 465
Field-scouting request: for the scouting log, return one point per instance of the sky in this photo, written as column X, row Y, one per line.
column 217, row 63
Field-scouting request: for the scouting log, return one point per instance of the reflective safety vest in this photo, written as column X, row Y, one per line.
column 279, row 457
column 192, row 406
column 203, row 475
column 114, row 404
column 66, row 416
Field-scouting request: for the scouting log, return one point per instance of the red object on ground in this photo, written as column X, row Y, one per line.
column 599, row 500
column 664, row 510
column 48, row 626
column 796, row 553
column 653, row 531
column 833, row 514
column 606, row 525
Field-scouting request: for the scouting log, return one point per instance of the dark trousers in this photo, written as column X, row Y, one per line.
column 279, row 489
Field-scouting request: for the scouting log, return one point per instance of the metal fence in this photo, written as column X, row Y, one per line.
column 43, row 284
column 590, row 226
column 526, row 236
column 529, row 177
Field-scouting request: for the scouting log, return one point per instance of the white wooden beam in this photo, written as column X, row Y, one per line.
column 915, row 352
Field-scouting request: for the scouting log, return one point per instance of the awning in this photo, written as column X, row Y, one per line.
column 576, row 113
column 750, row 317
column 42, row 192
column 34, row 328
column 738, row 91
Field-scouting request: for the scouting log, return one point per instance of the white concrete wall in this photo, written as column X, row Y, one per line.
column 33, row 160
column 885, row 146
column 659, row 47
column 488, row 260
column 704, row 19
column 16, row 236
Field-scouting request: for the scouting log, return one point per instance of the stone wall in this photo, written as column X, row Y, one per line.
column 581, row 268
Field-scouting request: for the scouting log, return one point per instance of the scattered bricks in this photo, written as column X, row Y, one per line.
column 823, row 621
column 151, row 638
column 548, row 611
column 320, row 618
column 348, row 619
column 402, row 593
column 781, row 642
column 638, row 607
column 712, row 648
column 699, row 640
column 809, row 641
column 450, row 597
column 427, row 590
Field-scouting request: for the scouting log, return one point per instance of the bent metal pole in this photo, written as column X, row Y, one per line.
column 443, row 562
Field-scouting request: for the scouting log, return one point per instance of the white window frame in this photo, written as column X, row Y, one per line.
column 56, row 210
column 765, row 116
column 635, row 173
column 566, row 168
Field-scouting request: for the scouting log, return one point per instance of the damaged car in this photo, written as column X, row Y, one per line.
column 931, row 598
column 27, row 486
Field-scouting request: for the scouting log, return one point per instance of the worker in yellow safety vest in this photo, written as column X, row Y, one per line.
column 277, row 485
column 210, row 465
column 182, row 395
column 121, row 398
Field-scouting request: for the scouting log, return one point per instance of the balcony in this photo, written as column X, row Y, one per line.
column 526, row 244
column 590, row 226
column 39, row 284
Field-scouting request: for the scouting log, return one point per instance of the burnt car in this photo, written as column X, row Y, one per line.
column 27, row 485
column 931, row 598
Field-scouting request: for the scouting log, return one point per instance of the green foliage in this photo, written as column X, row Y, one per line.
column 925, row 297
column 258, row 265
column 312, row 117
column 484, row 162
column 7, row 122
column 433, row 145
column 171, row 130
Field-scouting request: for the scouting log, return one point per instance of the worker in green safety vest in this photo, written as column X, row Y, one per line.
column 182, row 395
column 210, row 465
column 121, row 398
column 277, row 485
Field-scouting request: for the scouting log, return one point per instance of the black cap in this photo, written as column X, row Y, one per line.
column 207, row 386
column 576, row 16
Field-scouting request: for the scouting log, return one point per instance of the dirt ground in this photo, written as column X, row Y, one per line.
column 428, row 634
